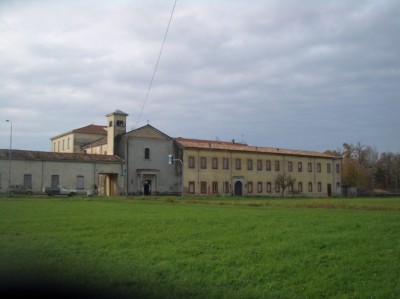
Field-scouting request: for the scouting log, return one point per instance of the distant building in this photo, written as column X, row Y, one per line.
column 74, row 141
column 230, row 168
column 202, row 167
column 36, row 170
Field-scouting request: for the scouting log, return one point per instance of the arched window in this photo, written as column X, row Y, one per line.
column 147, row 153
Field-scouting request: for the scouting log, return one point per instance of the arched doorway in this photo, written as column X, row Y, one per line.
column 238, row 188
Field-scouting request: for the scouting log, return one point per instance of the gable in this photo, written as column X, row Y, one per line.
column 148, row 132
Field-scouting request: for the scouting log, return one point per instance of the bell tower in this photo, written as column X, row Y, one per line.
column 116, row 126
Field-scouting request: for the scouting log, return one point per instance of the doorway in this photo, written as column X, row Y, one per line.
column 329, row 188
column 238, row 188
column 108, row 184
column 147, row 187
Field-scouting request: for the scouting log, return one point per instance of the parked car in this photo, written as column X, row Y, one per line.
column 19, row 189
column 60, row 190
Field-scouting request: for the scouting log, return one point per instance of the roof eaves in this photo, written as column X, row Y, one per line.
column 241, row 147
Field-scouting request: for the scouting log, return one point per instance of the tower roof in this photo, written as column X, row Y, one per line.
column 117, row 112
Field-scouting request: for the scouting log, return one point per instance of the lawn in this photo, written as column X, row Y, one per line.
column 168, row 247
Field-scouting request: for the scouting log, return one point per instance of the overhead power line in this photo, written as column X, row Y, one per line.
column 155, row 68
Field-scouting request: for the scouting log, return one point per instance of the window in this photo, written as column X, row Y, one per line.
column 259, row 187
column 277, row 188
column 191, row 187
column 290, row 166
column 290, row 188
column 120, row 123
column 214, row 163
column 309, row 167
column 214, row 187
column 249, row 164
column 225, row 163
column 203, row 162
column 203, row 187
column 54, row 147
column 277, row 166
column 191, row 162
column 63, row 144
column 309, row 187
column 69, row 143
column 337, row 168
column 80, row 182
column 259, row 164
column 58, row 148
column 110, row 124
column 28, row 181
column 238, row 164
column 269, row 187
column 318, row 167
column 328, row 168
column 226, row 187
column 147, row 153
column 250, row 187
column 300, row 167
column 55, row 181
column 319, row 187
column 268, row 165
column 300, row 187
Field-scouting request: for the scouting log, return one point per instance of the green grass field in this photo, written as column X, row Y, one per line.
column 168, row 247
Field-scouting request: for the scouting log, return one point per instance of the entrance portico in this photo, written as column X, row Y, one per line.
column 147, row 181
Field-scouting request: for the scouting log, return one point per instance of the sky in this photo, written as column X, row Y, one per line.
column 307, row 75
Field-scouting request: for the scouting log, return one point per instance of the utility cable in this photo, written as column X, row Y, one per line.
column 155, row 68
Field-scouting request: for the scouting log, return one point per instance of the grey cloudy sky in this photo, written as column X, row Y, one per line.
column 290, row 74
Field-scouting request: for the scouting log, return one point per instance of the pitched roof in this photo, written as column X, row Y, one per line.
column 92, row 129
column 53, row 156
column 148, row 131
column 117, row 112
column 242, row 147
column 98, row 142
column 89, row 129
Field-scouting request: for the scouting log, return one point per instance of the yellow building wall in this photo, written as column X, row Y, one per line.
column 97, row 150
column 63, row 144
column 254, row 181
column 72, row 143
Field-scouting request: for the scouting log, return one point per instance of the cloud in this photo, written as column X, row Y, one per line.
column 307, row 75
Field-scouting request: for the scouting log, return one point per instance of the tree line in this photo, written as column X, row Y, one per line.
column 366, row 169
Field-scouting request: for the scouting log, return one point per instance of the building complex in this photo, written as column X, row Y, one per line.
column 117, row 162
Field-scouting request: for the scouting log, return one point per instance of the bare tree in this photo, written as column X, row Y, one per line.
column 284, row 181
column 387, row 172
column 363, row 167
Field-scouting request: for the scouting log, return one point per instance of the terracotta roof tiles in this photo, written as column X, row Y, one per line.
column 242, row 147
column 98, row 142
column 53, row 156
column 92, row 129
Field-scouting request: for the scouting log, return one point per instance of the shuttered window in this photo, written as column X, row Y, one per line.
column 28, row 180
column 80, row 182
column 55, row 180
